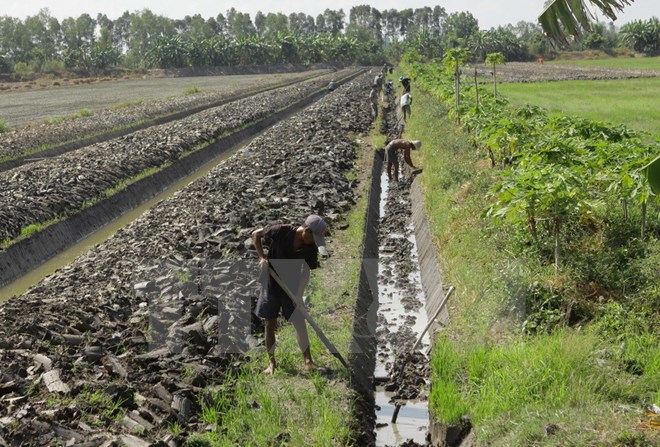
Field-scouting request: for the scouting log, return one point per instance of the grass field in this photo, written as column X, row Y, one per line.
column 642, row 63
column 633, row 102
column 566, row 388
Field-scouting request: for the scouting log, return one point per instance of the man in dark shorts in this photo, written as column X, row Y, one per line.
column 292, row 252
column 392, row 158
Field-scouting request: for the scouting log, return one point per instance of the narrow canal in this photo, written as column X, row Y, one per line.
column 401, row 318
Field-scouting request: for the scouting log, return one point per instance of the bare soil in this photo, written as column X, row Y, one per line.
column 538, row 72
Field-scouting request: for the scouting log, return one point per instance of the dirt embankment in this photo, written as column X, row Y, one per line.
column 119, row 346
column 36, row 81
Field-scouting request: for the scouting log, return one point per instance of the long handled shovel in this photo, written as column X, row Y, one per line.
column 432, row 319
column 301, row 308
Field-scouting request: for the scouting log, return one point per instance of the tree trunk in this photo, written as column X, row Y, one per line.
column 476, row 87
column 643, row 232
column 556, row 235
column 495, row 79
column 457, row 89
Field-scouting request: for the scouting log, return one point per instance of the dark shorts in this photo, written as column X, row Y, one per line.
column 269, row 305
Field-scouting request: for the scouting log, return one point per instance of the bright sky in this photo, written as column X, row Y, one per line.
column 490, row 13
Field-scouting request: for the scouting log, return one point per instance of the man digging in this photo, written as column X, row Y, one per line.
column 292, row 252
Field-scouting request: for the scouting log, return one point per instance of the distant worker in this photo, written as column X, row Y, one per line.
column 332, row 86
column 373, row 100
column 406, row 102
column 378, row 82
column 389, row 85
column 405, row 82
column 392, row 158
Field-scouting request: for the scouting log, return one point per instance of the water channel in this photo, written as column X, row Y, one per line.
column 22, row 284
column 401, row 317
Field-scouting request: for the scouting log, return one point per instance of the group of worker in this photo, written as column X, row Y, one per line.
column 294, row 249
column 397, row 144
column 380, row 84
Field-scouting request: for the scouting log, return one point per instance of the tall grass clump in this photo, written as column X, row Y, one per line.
column 253, row 410
column 446, row 402
column 191, row 90
column 4, row 127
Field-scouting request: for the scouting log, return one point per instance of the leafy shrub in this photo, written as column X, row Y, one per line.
column 191, row 90
column 4, row 127
column 54, row 66
column 23, row 68
column 5, row 65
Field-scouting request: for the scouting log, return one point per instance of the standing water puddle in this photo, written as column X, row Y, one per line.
column 401, row 318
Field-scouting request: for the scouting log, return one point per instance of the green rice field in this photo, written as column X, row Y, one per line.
column 633, row 102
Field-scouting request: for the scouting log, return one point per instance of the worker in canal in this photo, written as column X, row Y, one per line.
column 405, row 83
column 293, row 251
column 406, row 103
column 392, row 158
column 373, row 101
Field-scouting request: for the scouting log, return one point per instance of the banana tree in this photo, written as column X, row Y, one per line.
column 563, row 18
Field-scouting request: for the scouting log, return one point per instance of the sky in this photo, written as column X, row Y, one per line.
column 489, row 13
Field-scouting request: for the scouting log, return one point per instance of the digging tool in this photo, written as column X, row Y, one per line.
column 442, row 304
column 301, row 307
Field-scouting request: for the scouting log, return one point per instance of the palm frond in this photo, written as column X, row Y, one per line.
column 563, row 18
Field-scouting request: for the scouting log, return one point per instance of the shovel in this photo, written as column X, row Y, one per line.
column 301, row 308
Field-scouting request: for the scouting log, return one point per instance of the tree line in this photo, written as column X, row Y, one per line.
column 366, row 36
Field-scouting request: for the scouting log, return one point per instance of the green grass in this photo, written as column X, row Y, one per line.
column 81, row 114
column 255, row 410
column 550, row 378
column 634, row 63
column 191, row 90
column 125, row 104
column 632, row 102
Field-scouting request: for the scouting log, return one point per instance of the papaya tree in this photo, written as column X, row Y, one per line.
column 495, row 59
column 454, row 59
